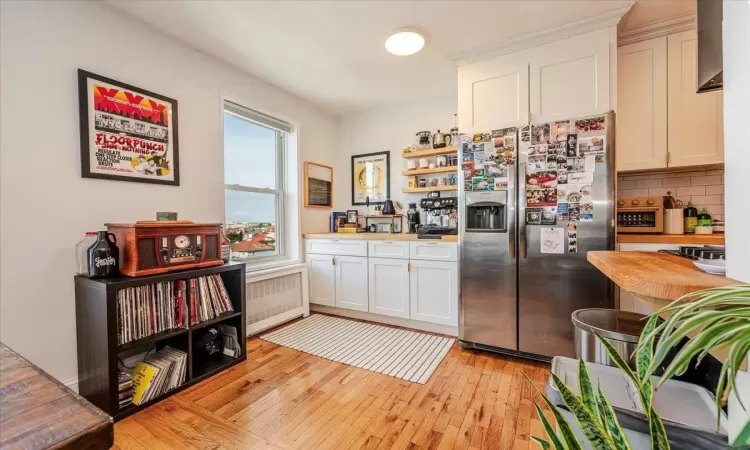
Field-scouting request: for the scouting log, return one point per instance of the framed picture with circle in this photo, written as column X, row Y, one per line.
column 371, row 178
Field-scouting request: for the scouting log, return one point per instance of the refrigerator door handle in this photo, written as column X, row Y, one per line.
column 522, row 208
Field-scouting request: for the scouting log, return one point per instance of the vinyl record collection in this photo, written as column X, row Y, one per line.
column 158, row 373
column 208, row 298
column 146, row 310
column 124, row 388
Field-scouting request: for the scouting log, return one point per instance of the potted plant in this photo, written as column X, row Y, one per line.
column 711, row 318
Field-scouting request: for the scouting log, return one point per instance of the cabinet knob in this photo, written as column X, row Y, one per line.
column 650, row 201
column 620, row 202
column 635, row 202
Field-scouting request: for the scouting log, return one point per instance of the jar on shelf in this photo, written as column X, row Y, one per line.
column 82, row 253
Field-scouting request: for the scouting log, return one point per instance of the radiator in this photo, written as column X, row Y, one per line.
column 275, row 296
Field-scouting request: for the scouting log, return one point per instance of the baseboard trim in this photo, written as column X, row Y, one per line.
column 388, row 320
column 72, row 384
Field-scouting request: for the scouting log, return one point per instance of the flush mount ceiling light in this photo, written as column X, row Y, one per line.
column 405, row 41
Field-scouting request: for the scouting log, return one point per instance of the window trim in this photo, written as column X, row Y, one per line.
column 266, row 121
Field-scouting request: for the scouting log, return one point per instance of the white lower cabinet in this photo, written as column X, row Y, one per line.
column 351, row 282
column 389, row 287
column 322, row 273
column 434, row 292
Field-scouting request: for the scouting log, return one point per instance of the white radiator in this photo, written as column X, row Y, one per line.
column 275, row 296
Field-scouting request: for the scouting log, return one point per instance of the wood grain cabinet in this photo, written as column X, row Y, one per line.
column 661, row 121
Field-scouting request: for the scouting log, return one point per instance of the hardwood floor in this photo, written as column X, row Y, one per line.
column 284, row 399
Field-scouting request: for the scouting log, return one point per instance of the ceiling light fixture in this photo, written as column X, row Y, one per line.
column 405, row 41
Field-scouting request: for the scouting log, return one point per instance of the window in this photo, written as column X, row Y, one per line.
column 254, row 148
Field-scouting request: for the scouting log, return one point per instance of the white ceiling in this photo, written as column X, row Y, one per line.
column 331, row 52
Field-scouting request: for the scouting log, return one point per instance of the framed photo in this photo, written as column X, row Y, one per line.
column 127, row 133
column 371, row 178
column 318, row 185
column 351, row 216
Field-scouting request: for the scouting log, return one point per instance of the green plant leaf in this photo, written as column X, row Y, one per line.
column 586, row 388
column 643, row 361
column 589, row 424
column 659, row 440
column 544, row 444
column 742, row 440
column 571, row 441
column 611, row 424
column 549, row 430
column 618, row 360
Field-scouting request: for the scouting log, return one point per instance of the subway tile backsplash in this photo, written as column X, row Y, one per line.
column 703, row 188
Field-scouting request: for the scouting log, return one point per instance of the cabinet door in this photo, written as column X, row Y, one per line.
column 642, row 105
column 434, row 292
column 492, row 95
column 322, row 274
column 694, row 121
column 351, row 282
column 389, row 287
column 570, row 78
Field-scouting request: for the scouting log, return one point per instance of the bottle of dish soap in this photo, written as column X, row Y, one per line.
column 691, row 218
column 704, row 218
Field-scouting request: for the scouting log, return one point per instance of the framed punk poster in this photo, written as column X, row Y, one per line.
column 127, row 133
column 371, row 178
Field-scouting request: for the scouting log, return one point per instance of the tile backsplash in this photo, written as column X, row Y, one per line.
column 703, row 188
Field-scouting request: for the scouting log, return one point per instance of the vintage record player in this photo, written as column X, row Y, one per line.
column 153, row 247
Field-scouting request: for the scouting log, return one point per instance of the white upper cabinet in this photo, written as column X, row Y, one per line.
column 558, row 80
column 351, row 282
column 642, row 105
column 570, row 78
column 389, row 286
column 695, row 121
column 492, row 95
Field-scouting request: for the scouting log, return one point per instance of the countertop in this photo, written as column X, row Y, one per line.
column 377, row 237
column 656, row 275
column 695, row 239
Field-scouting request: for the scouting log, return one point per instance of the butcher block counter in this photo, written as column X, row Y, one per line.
column 377, row 237
column 656, row 275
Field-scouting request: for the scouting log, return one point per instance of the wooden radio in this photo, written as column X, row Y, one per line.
column 152, row 247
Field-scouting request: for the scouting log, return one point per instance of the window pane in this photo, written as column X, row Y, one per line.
column 251, row 223
column 249, row 153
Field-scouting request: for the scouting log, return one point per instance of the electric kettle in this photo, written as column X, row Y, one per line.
column 439, row 139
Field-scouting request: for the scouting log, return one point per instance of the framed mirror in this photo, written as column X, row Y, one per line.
column 318, row 185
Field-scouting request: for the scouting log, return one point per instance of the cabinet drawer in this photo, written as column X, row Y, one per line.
column 341, row 247
column 388, row 249
column 433, row 251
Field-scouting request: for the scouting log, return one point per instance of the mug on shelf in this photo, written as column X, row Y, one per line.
column 424, row 163
column 411, row 164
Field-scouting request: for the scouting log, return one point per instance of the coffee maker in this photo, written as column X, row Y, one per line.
column 441, row 215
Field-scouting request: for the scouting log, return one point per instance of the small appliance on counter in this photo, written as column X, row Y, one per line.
column 151, row 247
column 441, row 140
column 412, row 218
column 640, row 214
column 440, row 216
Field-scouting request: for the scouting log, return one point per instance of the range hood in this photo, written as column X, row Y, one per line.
column 710, row 72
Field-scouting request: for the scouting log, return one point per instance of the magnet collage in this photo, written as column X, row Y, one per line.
column 561, row 160
column 486, row 159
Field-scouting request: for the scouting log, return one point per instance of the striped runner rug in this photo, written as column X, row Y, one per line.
column 400, row 353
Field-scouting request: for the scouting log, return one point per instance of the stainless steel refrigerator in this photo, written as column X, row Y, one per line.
column 521, row 275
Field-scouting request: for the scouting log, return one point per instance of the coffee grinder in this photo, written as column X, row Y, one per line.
column 412, row 218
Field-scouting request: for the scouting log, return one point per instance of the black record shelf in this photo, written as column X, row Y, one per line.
column 96, row 332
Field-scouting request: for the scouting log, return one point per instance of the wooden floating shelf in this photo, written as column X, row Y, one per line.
column 430, row 171
column 429, row 189
column 379, row 216
column 426, row 153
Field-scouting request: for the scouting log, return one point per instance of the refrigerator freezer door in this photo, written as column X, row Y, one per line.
column 552, row 286
column 488, row 271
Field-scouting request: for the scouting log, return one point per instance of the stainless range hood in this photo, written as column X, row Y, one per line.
column 710, row 66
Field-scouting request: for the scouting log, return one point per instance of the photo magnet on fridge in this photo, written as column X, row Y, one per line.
column 572, row 142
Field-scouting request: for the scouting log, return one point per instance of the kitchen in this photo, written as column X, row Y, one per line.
column 419, row 231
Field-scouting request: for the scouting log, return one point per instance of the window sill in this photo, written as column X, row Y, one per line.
column 257, row 266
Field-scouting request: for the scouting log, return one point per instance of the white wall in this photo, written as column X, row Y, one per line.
column 736, row 41
column 389, row 128
column 47, row 206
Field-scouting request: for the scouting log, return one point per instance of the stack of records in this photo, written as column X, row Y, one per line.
column 146, row 310
column 158, row 374
column 125, row 388
column 208, row 298
column 231, row 343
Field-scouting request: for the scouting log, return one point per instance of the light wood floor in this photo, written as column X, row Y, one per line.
column 284, row 399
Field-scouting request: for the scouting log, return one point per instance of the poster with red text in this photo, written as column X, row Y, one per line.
column 127, row 133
